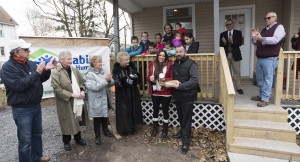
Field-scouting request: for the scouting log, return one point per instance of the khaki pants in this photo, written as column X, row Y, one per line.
column 234, row 67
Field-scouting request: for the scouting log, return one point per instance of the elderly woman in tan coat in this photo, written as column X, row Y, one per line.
column 67, row 83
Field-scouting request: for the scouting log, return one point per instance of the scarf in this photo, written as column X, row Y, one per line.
column 20, row 60
column 78, row 103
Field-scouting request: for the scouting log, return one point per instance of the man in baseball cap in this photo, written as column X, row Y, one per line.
column 23, row 80
column 19, row 43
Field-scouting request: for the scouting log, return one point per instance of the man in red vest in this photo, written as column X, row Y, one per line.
column 268, row 43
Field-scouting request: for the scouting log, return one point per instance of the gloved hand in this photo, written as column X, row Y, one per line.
column 129, row 81
column 133, row 76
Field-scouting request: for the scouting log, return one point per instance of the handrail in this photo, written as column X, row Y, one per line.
column 226, row 96
column 287, row 84
column 207, row 65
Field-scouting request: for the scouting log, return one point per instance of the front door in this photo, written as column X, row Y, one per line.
column 242, row 21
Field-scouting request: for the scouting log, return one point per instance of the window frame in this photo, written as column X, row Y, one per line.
column 181, row 6
column 2, row 49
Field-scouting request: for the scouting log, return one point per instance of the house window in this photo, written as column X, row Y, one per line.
column 2, row 51
column 184, row 14
column 1, row 31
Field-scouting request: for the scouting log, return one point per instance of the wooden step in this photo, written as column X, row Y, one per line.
column 264, row 130
column 267, row 148
column 268, row 113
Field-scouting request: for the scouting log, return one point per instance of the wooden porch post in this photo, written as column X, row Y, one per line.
column 216, row 39
column 116, row 26
column 279, row 79
column 216, row 26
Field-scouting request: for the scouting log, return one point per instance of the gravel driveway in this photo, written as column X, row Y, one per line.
column 128, row 149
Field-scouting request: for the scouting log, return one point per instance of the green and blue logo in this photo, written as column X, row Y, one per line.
column 42, row 55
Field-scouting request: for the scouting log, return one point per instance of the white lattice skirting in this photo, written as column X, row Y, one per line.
column 205, row 115
column 294, row 118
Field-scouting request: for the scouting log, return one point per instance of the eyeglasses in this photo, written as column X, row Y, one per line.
column 228, row 24
column 26, row 49
column 268, row 18
column 134, row 42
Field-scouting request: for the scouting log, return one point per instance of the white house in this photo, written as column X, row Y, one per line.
column 7, row 33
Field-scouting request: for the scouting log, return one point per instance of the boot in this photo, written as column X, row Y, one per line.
column 164, row 133
column 97, row 138
column 97, row 131
column 154, row 129
column 106, row 132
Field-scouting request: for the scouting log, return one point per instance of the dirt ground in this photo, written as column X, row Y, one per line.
column 129, row 148
column 206, row 145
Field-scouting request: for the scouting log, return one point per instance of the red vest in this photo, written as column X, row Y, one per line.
column 268, row 50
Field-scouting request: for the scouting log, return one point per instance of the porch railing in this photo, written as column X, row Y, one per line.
column 226, row 95
column 287, row 84
column 207, row 72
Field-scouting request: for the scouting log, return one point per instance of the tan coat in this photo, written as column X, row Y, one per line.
column 61, row 83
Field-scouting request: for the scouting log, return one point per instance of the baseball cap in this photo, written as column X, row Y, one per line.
column 19, row 43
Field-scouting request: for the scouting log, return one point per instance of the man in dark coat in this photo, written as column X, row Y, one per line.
column 231, row 40
column 23, row 80
column 185, row 71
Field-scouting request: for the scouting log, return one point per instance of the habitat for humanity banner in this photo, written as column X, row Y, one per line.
column 80, row 55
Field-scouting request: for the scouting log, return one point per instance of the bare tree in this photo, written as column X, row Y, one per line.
column 82, row 18
column 106, row 20
column 40, row 25
column 75, row 16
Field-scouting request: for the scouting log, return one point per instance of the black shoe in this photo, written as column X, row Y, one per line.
column 98, row 141
column 164, row 133
column 177, row 135
column 107, row 133
column 240, row 91
column 184, row 149
column 67, row 147
column 81, row 142
column 154, row 129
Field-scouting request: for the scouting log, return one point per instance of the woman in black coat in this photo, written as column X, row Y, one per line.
column 128, row 103
column 191, row 46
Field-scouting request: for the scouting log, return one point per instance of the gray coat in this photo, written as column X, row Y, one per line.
column 62, row 85
column 99, row 99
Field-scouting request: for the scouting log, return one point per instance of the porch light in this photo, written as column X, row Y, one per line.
column 175, row 10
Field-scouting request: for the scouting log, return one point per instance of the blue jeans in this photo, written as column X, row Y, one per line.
column 265, row 70
column 29, row 130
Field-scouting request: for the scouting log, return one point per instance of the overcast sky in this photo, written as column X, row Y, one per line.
column 17, row 9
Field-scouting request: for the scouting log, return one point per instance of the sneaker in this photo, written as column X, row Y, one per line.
column 255, row 98
column 240, row 91
column 44, row 159
column 262, row 104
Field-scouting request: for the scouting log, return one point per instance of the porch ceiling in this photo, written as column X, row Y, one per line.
column 133, row 6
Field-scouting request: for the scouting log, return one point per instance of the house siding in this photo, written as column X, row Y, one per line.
column 151, row 19
column 9, row 33
column 296, row 16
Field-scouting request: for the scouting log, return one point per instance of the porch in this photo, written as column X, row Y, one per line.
column 249, row 129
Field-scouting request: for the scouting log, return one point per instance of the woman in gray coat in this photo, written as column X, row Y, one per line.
column 67, row 83
column 97, row 84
